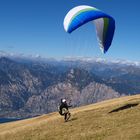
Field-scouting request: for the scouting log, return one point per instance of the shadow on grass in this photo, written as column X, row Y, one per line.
column 72, row 119
column 127, row 106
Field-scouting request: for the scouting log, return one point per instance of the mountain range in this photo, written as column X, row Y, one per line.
column 31, row 87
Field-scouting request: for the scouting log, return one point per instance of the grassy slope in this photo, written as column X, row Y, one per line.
column 87, row 123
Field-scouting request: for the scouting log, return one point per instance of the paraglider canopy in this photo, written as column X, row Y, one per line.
column 105, row 24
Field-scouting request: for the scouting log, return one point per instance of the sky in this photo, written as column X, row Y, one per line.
column 35, row 27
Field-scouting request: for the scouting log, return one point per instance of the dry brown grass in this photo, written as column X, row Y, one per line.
column 92, row 122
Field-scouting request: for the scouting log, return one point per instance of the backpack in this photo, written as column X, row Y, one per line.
column 62, row 111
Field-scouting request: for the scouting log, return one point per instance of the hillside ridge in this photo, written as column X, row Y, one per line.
column 52, row 125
